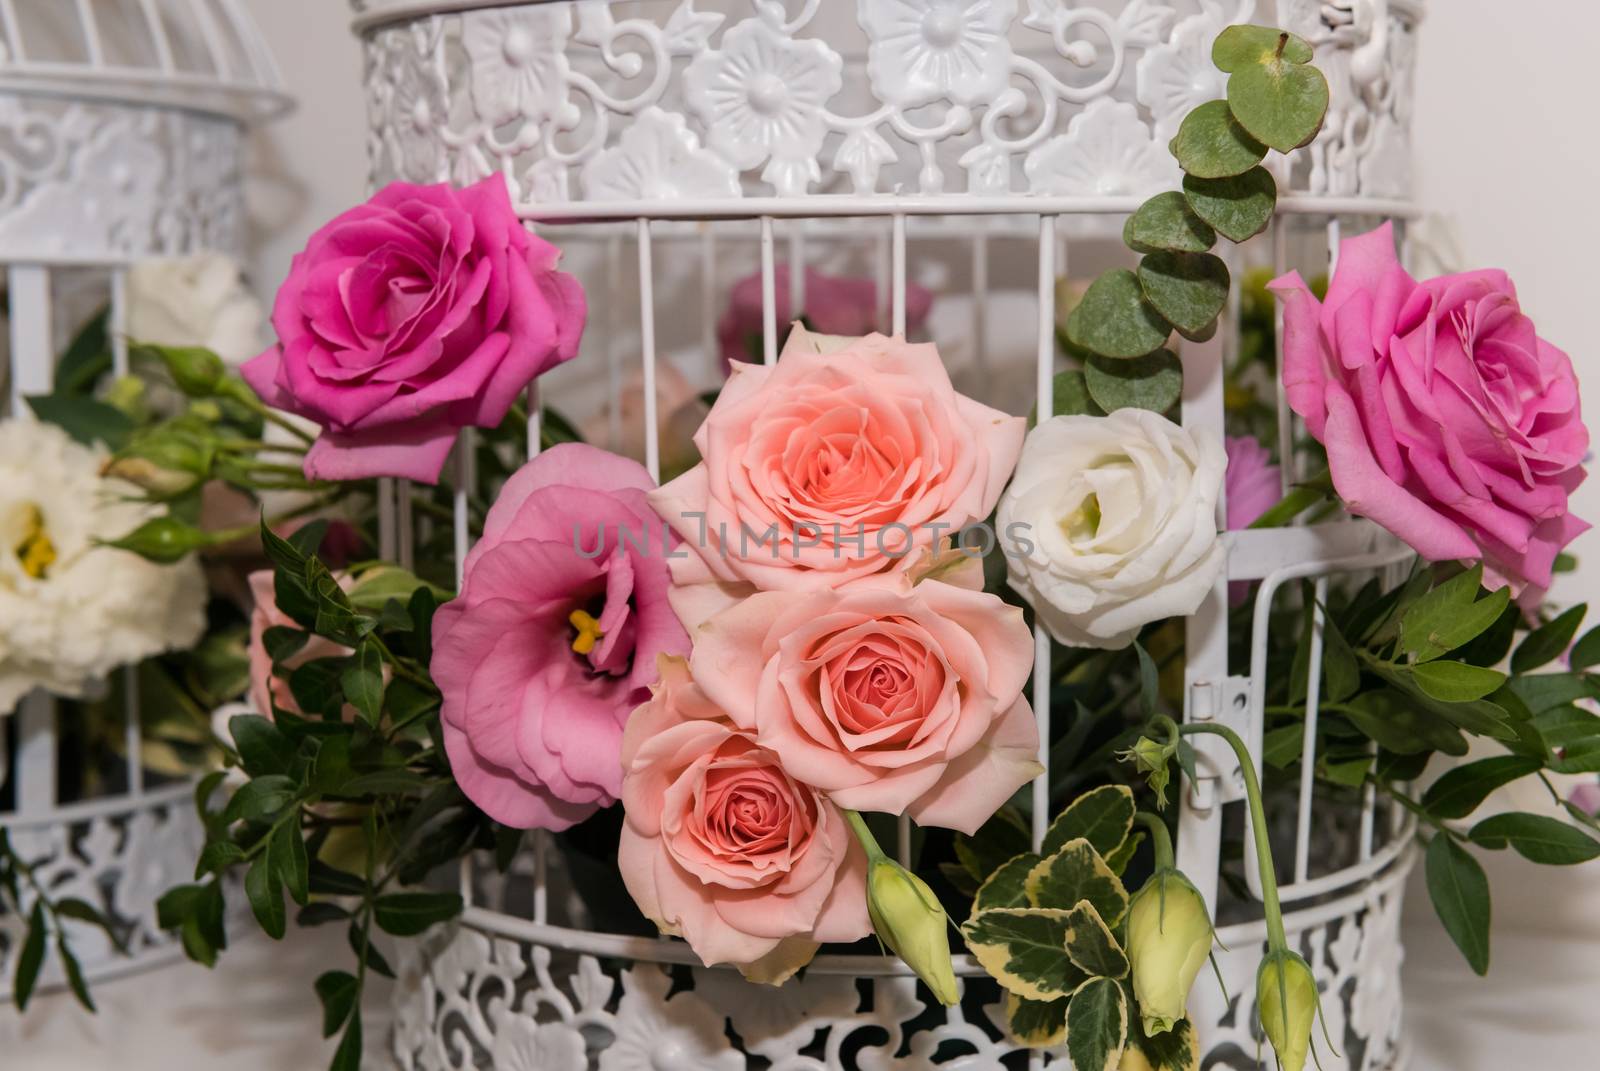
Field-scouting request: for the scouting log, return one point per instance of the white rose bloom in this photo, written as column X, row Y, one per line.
column 1110, row 523
column 198, row 300
column 70, row 610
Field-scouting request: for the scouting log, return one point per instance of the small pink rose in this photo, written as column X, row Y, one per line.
column 848, row 459
column 554, row 638
column 266, row 688
column 1252, row 485
column 724, row 847
column 831, row 304
column 906, row 701
column 422, row 312
column 1447, row 419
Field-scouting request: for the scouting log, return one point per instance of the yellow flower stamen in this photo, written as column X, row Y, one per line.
column 588, row 631
column 36, row 552
column 1083, row 522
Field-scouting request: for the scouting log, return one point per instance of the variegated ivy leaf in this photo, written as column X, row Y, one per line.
column 1173, row 1050
column 1077, row 872
column 1102, row 816
column 1097, row 1025
column 1007, row 886
column 1036, row 1024
column 1118, row 860
column 1024, row 949
column 1090, row 944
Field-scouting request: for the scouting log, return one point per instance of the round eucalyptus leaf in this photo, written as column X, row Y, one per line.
column 1154, row 381
column 1240, row 46
column 1167, row 222
column 1212, row 144
column 1114, row 320
column 1069, row 395
column 1239, row 207
column 1188, row 289
column 1280, row 104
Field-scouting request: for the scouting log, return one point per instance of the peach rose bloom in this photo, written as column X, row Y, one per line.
column 904, row 700
column 845, row 461
column 266, row 689
column 724, row 847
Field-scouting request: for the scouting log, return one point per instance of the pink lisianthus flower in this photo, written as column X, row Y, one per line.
column 1252, row 486
column 833, row 305
column 903, row 700
column 422, row 312
column 1447, row 419
column 554, row 638
column 267, row 689
column 724, row 847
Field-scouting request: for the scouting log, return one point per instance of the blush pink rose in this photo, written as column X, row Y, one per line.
column 724, row 847
column 554, row 638
column 422, row 312
column 833, row 305
column 1252, row 483
column 1447, row 419
column 857, row 456
column 906, row 701
column 266, row 688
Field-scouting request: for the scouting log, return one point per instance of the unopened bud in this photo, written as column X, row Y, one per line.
column 163, row 540
column 908, row 918
column 1153, row 759
column 1169, row 938
column 196, row 371
column 1286, row 998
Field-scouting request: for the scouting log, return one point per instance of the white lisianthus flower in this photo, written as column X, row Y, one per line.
column 1110, row 523
column 198, row 300
column 70, row 609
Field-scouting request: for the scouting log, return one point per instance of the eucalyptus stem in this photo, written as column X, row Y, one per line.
column 1160, row 839
column 1277, row 940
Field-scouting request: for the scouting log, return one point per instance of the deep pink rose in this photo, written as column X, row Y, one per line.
column 554, row 638
column 724, row 847
column 1252, row 486
column 265, row 688
column 422, row 312
column 904, row 700
column 856, row 455
column 1447, row 419
column 833, row 305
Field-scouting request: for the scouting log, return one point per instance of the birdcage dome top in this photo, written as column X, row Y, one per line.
column 202, row 55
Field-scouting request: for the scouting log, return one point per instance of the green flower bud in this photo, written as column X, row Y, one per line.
column 1153, row 759
column 163, row 540
column 1286, row 999
column 127, row 395
column 166, row 460
column 208, row 411
column 196, row 371
column 908, row 918
column 1169, row 938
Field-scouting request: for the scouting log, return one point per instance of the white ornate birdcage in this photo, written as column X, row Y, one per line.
column 122, row 128
column 981, row 149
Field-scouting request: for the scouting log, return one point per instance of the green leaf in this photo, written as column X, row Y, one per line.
column 337, row 990
column 1547, row 643
column 1460, row 893
column 1077, row 872
column 1024, row 949
column 1279, row 102
column 1069, row 396
column 1036, row 1024
column 410, row 913
column 1212, row 144
column 261, row 745
column 1007, row 886
column 265, row 893
column 1586, row 652
column 318, row 686
column 86, row 420
column 1097, row 1025
column 215, row 857
column 362, row 681
column 1537, row 838
column 1114, row 320
column 368, row 952
column 1566, row 726
column 87, row 357
column 1490, row 647
column 1171, row 1050
column 1456, row 682
column 1341, row 674
column 1149, row 681
column 260, row 798
column 1239, row 207
column 289, row 861
column 1102, row 816
column 283, row 642
column 1460, row 790
column 31, row 960
column 1240, row 46
column 1448, row 617
column 1003, row 836
column 1091, row 946
column 1397, row 723
column 1154, row 381
column 74, row 971
column 1189, row 290
column 421, row 607
column 1166, row 221
column 1542, row 691
column 348, row 1056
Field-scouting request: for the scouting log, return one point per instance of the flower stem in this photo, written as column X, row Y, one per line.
column 1300, row 498
column 858, row 825
column 1277, row 941
column 1160, row 839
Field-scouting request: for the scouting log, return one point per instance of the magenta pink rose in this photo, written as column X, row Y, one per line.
column 904, row 700
column 554, row 638
column 833, row 305
column 1252, row 486
column 422, row 312
column 1447, row 419
column 724, row 847
column 266, row 688
column 848, row 459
